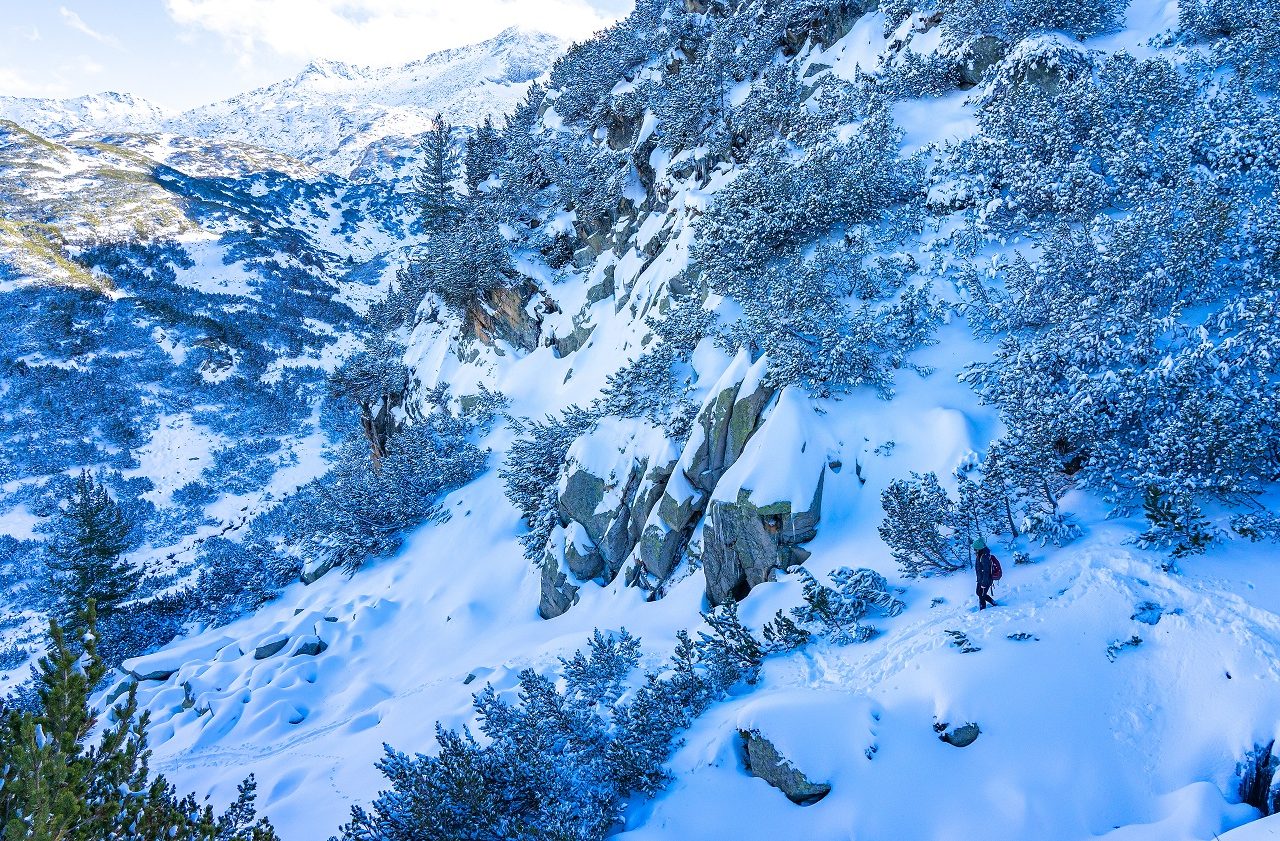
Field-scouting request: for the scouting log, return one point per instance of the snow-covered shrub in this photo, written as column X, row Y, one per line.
column 922, row 527
column 600, row 677
column 362, row 506
column 143, row 626
column 690, row 108
column 462, row 263
column 1014, row 19
column 650, row 386
column 730, row 650
column 588, row 71
column 779, row 202
column 815, row 339
column 562, row 759
column 241, row 467
column 1174, row 524
column 1257, row 525
column 791, row 240
column 1139, row 350
column 531, row 472
column 782, row 635
column 1243, row 33
column 236, row 578
column 837, row 613
column 590, row 181
column 194, row 494
column 773, row 111
column 911, row 75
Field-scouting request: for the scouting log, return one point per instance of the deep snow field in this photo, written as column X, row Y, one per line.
column 1076, row 742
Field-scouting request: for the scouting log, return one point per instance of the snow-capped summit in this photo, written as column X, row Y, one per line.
column 323, row 68
column 331, row 112
column 106, row 111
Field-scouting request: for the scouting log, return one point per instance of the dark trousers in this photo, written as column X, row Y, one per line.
column 984, row 597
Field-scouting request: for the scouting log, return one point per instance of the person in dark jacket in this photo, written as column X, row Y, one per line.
column 983, row 567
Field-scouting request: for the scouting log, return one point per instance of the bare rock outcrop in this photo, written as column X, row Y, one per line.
column 748, row 475
column 613, row 479
column 763, row 760
column 503, row 314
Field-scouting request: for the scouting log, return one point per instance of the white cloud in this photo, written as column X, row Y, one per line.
column 77, row 23
column 85, row 66
column 379, row 32
column 13, row 83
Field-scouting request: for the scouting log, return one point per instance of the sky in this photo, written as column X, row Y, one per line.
column 183, row 53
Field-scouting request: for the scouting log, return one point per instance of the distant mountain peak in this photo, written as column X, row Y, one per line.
column 104, row 111
column 331, row 112
column 329, row 68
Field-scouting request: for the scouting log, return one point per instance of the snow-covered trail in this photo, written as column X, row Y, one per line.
column 1074, row 745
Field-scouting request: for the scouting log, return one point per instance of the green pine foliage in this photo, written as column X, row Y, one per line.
column 922, row 527
column 1175, row 524
column 484, row 149
column 56, row 787
column 531, row 472
column 838, row 612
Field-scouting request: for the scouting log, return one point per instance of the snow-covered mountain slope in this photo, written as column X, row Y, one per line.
column 665, row 216
column 331, row 112
column 172, row 309
column 1073, row 744
column 99, row 112
column 755, row 299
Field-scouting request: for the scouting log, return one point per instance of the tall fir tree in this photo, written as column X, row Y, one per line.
column 88, row 538
column 437, row 200
column 484, row 151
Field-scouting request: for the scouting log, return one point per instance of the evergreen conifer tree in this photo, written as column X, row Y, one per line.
column 437, row 199
column 484, row 151
column 54, row 788
column 922, row 527
column 88, row 539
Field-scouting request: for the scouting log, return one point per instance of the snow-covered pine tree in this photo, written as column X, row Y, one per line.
column 781, row 634
column 360, row 508
column 376, row 381
column 1174, row 523
column 560, row 762
column 597, row 678
column 838, row 612
column 728, row 649
column 650, row 387
column 920, row 527
column 531, row 472
column 483, row 151
column 438, row 202
column 87, row 539
column 54, row 786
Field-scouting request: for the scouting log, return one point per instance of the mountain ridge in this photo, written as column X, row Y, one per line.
column 329, row 112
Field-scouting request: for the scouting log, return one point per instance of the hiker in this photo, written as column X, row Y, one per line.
column 983, row 566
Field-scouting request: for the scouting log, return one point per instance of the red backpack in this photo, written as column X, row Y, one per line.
column 996, row 572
